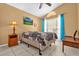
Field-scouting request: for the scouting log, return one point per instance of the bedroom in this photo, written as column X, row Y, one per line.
column 11, row 12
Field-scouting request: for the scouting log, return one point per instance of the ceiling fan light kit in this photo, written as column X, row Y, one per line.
column 41, row 4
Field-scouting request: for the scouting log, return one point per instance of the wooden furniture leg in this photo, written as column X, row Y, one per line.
column 28, row 45
column 40, row 52
column 62, row 46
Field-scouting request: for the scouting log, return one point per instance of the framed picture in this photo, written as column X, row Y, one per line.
column 27, row 21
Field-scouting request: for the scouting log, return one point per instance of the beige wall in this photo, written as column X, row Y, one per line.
column 78, row 15
column 8, row 14
column 70, row 15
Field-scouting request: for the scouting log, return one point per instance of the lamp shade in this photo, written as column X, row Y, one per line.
column 13, row 22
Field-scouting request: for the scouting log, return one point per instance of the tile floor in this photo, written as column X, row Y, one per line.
column 23, row 50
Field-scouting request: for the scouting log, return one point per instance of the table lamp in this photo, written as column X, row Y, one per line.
column 13, row 23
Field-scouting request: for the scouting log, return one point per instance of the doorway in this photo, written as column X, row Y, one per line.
column 56, row 25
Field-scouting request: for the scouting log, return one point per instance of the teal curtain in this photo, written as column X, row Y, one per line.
column 43, row 24
column 62, row 26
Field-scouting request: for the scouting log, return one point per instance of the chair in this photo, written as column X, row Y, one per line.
column 75, row 35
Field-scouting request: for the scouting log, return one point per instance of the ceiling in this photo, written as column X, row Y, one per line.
column 33, row 8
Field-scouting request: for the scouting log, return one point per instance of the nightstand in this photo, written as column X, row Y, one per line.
column 69, row 41
column 12, row 40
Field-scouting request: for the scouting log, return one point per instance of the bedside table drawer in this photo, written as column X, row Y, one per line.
column 14, row 36
column 13, row 40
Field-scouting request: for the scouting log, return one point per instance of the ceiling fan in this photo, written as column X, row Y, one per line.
column 41, row 4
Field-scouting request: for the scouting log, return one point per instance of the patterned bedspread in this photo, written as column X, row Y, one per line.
column 40, row 37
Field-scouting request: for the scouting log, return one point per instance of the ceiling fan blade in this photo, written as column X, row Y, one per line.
column 40, row 5
column 49, row 4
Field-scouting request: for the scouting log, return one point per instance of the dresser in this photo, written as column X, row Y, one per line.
column 69, row 41
column 12, row 40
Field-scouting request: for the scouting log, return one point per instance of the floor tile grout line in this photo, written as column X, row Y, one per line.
column 53, row 50
column 42, row 53
column 13, row 51
column 25, row 50
column 58, row 51
column 8, row 50
column 29, row 52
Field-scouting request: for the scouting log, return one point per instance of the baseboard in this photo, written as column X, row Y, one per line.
column 6, row 44
column 3, row 45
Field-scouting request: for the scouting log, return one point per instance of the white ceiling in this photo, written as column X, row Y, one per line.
column 33, row 8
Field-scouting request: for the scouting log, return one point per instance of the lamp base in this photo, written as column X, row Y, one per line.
column 14, row 30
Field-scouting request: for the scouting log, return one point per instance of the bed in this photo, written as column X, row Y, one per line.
column 39, row 40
